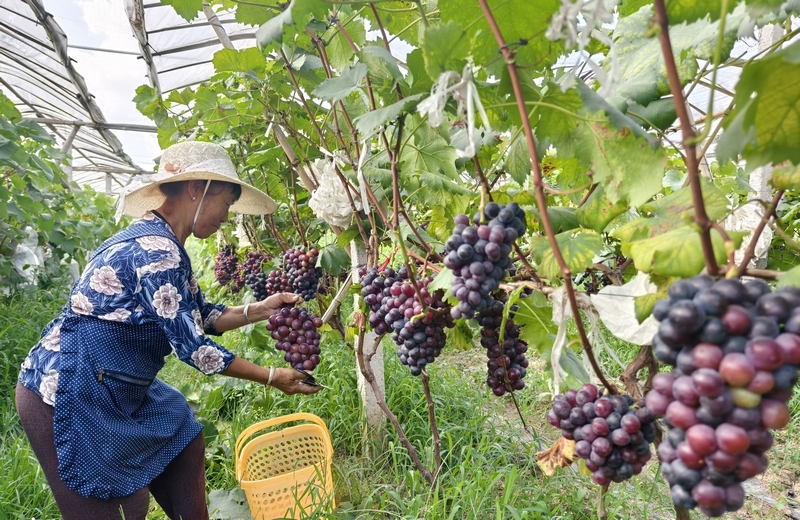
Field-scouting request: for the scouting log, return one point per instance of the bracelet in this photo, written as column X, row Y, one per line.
column 246, row 318
column 271, row 375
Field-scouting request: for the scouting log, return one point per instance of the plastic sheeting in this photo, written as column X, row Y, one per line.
column 37, row 73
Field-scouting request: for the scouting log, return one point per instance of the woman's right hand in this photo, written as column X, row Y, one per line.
column 289, row 382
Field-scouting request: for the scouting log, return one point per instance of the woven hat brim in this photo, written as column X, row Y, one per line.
column 149, row 197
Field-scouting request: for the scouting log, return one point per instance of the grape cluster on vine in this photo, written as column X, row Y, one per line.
column 418, row 325
column 375, row 288
column 302, row 273
column 478, row 255
column 255, row 279
column 227, row 269
column 295, row 330
column 507, row 364
column 735, row 350
column 612, row 434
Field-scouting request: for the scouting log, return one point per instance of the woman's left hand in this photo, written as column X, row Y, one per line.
column 290, row 382
column 267, row 307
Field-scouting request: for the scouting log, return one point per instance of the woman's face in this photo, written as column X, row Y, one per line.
column 214, row 212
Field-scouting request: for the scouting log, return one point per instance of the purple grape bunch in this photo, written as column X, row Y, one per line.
column 507, row 364
column 478, row 255
column 254, row 277
column 303, row 274
column 419, row 341
column 735, row 349
column 612, row 434
column 375, row 289
column 295, row 330
column 226, row 265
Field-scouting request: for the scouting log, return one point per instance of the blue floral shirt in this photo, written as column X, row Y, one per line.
column 136, row 282
column 116, row 425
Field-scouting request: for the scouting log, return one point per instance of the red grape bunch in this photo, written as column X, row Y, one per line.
column 303, row 274
column 478, row 255
column 226, row 265
column 375, row 288
column 295, row 330
column 419, row 341
column 612, row 434
column 736, row 349
column 507, row 364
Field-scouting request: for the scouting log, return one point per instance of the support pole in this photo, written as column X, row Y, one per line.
column 375, row 420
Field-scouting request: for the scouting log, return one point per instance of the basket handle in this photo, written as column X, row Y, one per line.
column 263, row 425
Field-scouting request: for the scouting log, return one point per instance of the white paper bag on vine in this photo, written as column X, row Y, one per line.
column 462, row 88
column 330, row 201
column 562, row 311
column 615, row 305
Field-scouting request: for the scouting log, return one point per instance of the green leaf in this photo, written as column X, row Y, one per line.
column 347, row 236
column 765, row 123
column 535, row 318
column 562, row 218
column 679, row 11
column 673, row 180
column 341, row 86
column 7, row 149
column 659, row 113
column 628, row 7
column 522, row 22
column 272, row 29
column 460, row 337
column 790, row 277
column 518, row 160
column 427, row 151
column 598, row 210
column 333, row 259
column 187, row 9
column 417, row 76
column 228, row 505
column 254, row 12
column 628, row 166
column 678, row 253
column 444, row 47
column 678, row 204
column 642, row 74
column 233, row 60
column 339, row 50
column 369, row 122
column 786, row 177
column 306, row 10
column 8, row 109
column 643, row 305
column 578, row 249
column 381, row 64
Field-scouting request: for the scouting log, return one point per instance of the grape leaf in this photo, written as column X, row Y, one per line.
column 272, row 29
column 678, row 252
column 628, row 7
column 765, row 123
column 642, row 74
column 255, row 12
column 560, row 455
column 786, row 177
column 417, row 76
column 339, row 87
column 339, row 50
column 187, row 9
column 518, row 160
column 598, row 210
column 234, row 60
column 381, row 64
column 790, row 277
column 578, row 248
column 535, row 318
column 690, row 10
column 8, row 109
column 643, row 305
column 523, row 24
column 444, row 47
column 369, row 122
column 333, row 259
column 679, row 203
column 427, row 151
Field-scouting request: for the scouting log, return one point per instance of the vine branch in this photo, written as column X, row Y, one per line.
column 751, row 247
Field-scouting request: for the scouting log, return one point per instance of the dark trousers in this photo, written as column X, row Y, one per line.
column 180, row 490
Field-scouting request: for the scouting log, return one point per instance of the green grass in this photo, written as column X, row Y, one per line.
column 489, row 469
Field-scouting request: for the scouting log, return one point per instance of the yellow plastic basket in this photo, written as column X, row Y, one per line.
column 287, row 472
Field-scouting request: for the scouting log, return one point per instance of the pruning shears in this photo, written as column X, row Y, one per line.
column 310, row 380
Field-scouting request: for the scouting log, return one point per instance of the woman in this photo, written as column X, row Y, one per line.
column 107, row 432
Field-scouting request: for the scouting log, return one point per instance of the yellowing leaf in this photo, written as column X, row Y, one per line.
column 560, row 455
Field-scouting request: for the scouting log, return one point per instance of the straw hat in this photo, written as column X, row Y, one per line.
column 186, row 161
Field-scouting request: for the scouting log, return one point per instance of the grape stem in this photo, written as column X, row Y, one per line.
column 541, row 198
column 437, row 441
column 689, row 139
column 629, row 377
column 751, row 247
column 601, row 502
column 366, row 371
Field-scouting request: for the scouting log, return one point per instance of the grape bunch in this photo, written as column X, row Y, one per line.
column 375, row 288
column 735, row 350
column 226, row 265
column 420, row 341
column 300, row 266
column 507, row 363
column 255, row 279
column 478, row 255
column 612, row 434
column 295, row 330
column 278, row 282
